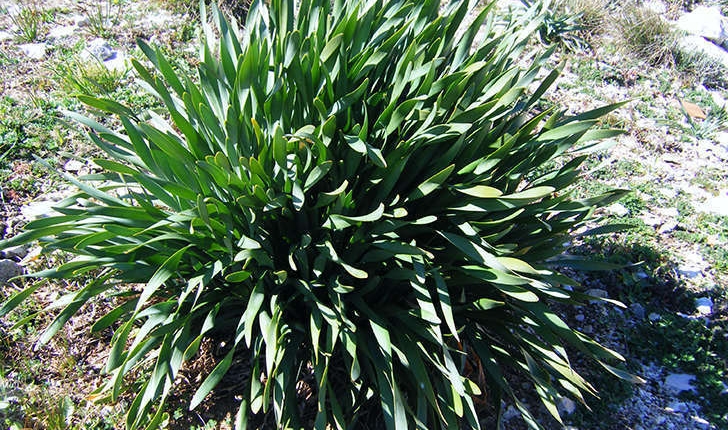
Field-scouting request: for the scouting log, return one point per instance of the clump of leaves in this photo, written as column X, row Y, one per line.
column 89, row 76
column 560, row 25
column 350, row 192
column 102, row 17
column 28, row 20
column 646, row 33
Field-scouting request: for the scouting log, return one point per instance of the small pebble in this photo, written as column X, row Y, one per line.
column 704, row 305
column 637, row 310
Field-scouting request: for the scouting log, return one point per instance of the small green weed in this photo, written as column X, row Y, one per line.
column 103, row 16
column 90, row 77
column 26, row 130
column 692, row 346
column 29, row 21
column 645, row 33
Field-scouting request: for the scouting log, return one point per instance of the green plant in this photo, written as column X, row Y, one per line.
column 89, row 77
column 645, row 33
column 560, row 25
column 102, row 17
column 704, row 69
column 29, row 21
column 343, row 200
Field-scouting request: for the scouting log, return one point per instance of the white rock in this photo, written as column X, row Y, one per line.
column 5, row 35
column 98, row 48
column 705, row 22
column 670, row 193
column 35, row 51
column 73, row 165
column 693, row 265
column 61, row 31
column 566, row 406
column 117, row 62
column 718, row 98
column 650, row 219
column 717, row 205
column 704, row 305
column 721, row 138
column 596, row 292
column 679, row 407
column 700, row 422
column 667, row 227
column 579, row 317
column 510, row 413
column 38, row 209
column 654, row 316
column 697, row 44
column 669, row 212
column 617, row 209
column 679, row 382
column 80, row 20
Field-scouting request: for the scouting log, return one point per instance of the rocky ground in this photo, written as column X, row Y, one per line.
column 673, row 156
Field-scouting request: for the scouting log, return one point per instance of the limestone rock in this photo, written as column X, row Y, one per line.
column 695, row 44
column 34, row 51
column 679, row 382
column 705, row 22
column 98, row 48
column 61, row 31
column 38, row 209
column 704, row 306
column 9, row 269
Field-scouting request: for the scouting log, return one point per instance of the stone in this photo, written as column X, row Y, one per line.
column 717, row 205
column 668, row 227
column 637, row 310
column 98, row 48
column 679, row 407
column 704, row 305
column 34, row 51
column 510, row 413
column 61, row 31
column 9, row 269
column 38, row 209
column 650, row 219
column 617, row 209
column 579, row 317
column 117, row 62
column 80, row 20
column 73, row 165
column 718, row 99
column 679, row 382
column 598, row 293
column 5, row 35
column 15, row 252
column 697, row 44
column 669, row 212
column 692, row 266
column 700, row 422
column 721, row 138
column 566, row 406
column 707, row 22
column 654, row 317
